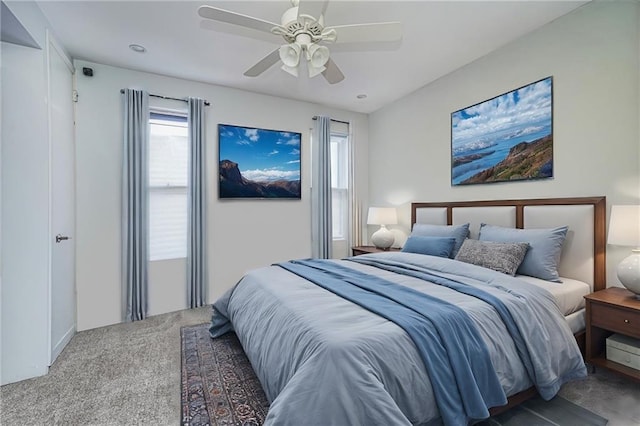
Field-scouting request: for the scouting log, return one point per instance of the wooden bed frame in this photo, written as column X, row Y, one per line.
column 599, row 246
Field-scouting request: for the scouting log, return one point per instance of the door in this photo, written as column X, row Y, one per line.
column 62, row 292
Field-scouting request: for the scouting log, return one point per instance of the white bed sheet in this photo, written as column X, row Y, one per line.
column 576, row 321
column 569, row 293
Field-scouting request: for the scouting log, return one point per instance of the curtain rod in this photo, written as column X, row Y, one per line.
column 315, row 117
column 170, row 98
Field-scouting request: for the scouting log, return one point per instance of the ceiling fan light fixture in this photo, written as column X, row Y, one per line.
column 318, row 55
column 303, row 27
column 290, row 54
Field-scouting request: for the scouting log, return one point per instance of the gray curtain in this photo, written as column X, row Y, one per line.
column 196, row 228
column 355, row 211
column 135, row 203
column 321, row 218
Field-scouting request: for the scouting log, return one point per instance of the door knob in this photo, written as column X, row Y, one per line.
column 60, row 237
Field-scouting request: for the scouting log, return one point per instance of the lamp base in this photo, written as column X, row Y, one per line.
column 382, row 238
column 629, row 272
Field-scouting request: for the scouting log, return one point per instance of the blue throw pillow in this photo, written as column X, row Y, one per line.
column 434, row 246
column 459, row 232
column 545, row 247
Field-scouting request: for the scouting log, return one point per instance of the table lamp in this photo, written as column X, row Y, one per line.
column 624, row 230
column 382, row 238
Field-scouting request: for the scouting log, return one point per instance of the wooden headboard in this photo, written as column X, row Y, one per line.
column 583, row 255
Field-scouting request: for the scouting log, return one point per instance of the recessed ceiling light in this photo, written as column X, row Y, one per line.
column 362, row 96
column 137, row 48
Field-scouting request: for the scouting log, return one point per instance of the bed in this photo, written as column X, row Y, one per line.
column 372, row 340
column 583, row 259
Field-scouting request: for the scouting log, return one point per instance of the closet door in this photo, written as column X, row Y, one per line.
column 62, row 294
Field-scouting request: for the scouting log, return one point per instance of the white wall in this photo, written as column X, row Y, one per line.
column 242, row 234
column 592, row 55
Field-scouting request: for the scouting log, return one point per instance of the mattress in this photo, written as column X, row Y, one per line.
column 576, row 321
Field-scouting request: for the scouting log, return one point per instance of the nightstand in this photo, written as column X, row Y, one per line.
column 358, row 250
column 614, row 310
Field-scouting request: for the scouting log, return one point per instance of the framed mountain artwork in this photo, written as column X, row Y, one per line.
column 258, row 163
column 506, row 138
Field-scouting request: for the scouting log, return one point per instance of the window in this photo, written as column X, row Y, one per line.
column 168, row 177
column 340, row 185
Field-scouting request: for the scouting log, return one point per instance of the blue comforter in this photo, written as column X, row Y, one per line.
column 327, row 361
column 457, row 360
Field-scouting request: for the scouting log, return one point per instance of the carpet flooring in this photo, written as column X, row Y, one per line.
column 129, row 374
column 123, row 374
column 219, row 387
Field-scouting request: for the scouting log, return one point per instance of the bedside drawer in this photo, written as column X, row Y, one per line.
column 616, row 319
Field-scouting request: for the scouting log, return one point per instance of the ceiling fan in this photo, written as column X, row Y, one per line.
column 302, row 27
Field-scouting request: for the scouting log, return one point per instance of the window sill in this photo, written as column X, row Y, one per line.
column 168, row 259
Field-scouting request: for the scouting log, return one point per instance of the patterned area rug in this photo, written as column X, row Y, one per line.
column 219, row 387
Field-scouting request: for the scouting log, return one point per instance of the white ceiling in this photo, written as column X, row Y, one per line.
column 438, row 37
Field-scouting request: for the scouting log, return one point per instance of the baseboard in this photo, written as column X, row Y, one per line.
column 57, row 349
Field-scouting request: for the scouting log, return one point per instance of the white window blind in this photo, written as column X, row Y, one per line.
column 168, row 177
column 340, row 185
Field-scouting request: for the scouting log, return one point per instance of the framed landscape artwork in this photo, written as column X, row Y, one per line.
column 258, row 163
column 506, row 138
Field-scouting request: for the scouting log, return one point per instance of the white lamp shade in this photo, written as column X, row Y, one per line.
column 318, row 55
column 290, row 54
column 624, row 226
column 382, row 216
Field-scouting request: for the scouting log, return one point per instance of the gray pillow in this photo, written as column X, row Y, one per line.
column 501, row 257
column 545, row 247
column 459, row 232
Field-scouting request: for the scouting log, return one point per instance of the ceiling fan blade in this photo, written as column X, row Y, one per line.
column 222, row 15
column 332, row 74
column 312, row 8
column 264, row 64
column 366, row 33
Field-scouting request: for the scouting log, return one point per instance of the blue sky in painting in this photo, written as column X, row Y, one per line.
column 262, row 155
column 515, row 114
